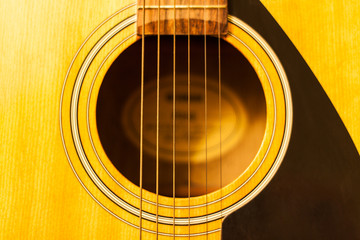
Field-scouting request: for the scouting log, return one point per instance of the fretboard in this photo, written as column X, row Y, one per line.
column 204, row 18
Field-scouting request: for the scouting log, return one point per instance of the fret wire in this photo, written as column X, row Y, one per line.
column 170, row 7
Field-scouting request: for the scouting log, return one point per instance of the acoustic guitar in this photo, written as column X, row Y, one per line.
column 180, row 119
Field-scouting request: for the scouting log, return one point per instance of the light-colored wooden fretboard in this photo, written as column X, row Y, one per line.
column 213, row 14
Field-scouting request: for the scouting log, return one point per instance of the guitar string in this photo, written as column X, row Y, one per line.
column 142, row 117
column 157, row 103
column 173, row 122
column 157, row 121
column 205, row 89
column 188, row 119
column 220, row 110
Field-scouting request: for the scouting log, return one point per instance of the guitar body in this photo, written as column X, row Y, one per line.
column 42, row 198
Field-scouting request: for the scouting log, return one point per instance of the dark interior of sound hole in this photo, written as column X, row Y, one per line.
column 243, row 115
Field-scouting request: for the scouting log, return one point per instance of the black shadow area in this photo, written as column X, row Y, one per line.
column 315, row 193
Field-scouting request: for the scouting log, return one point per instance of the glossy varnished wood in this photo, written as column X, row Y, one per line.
column 39, row 194
column 273, row 136
column 327, row 35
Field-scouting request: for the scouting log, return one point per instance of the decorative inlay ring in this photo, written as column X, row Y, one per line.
column 85, row 153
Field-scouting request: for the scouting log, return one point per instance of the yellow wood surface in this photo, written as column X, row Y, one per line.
column 39, row 194
column 327, row 35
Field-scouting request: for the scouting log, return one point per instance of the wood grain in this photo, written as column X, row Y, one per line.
column 39, row 194
column 213, row 15
column 327, row 35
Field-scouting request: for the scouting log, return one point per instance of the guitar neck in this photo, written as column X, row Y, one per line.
column 175, row 16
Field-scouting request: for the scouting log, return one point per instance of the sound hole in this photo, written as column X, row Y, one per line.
column 243, row 115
